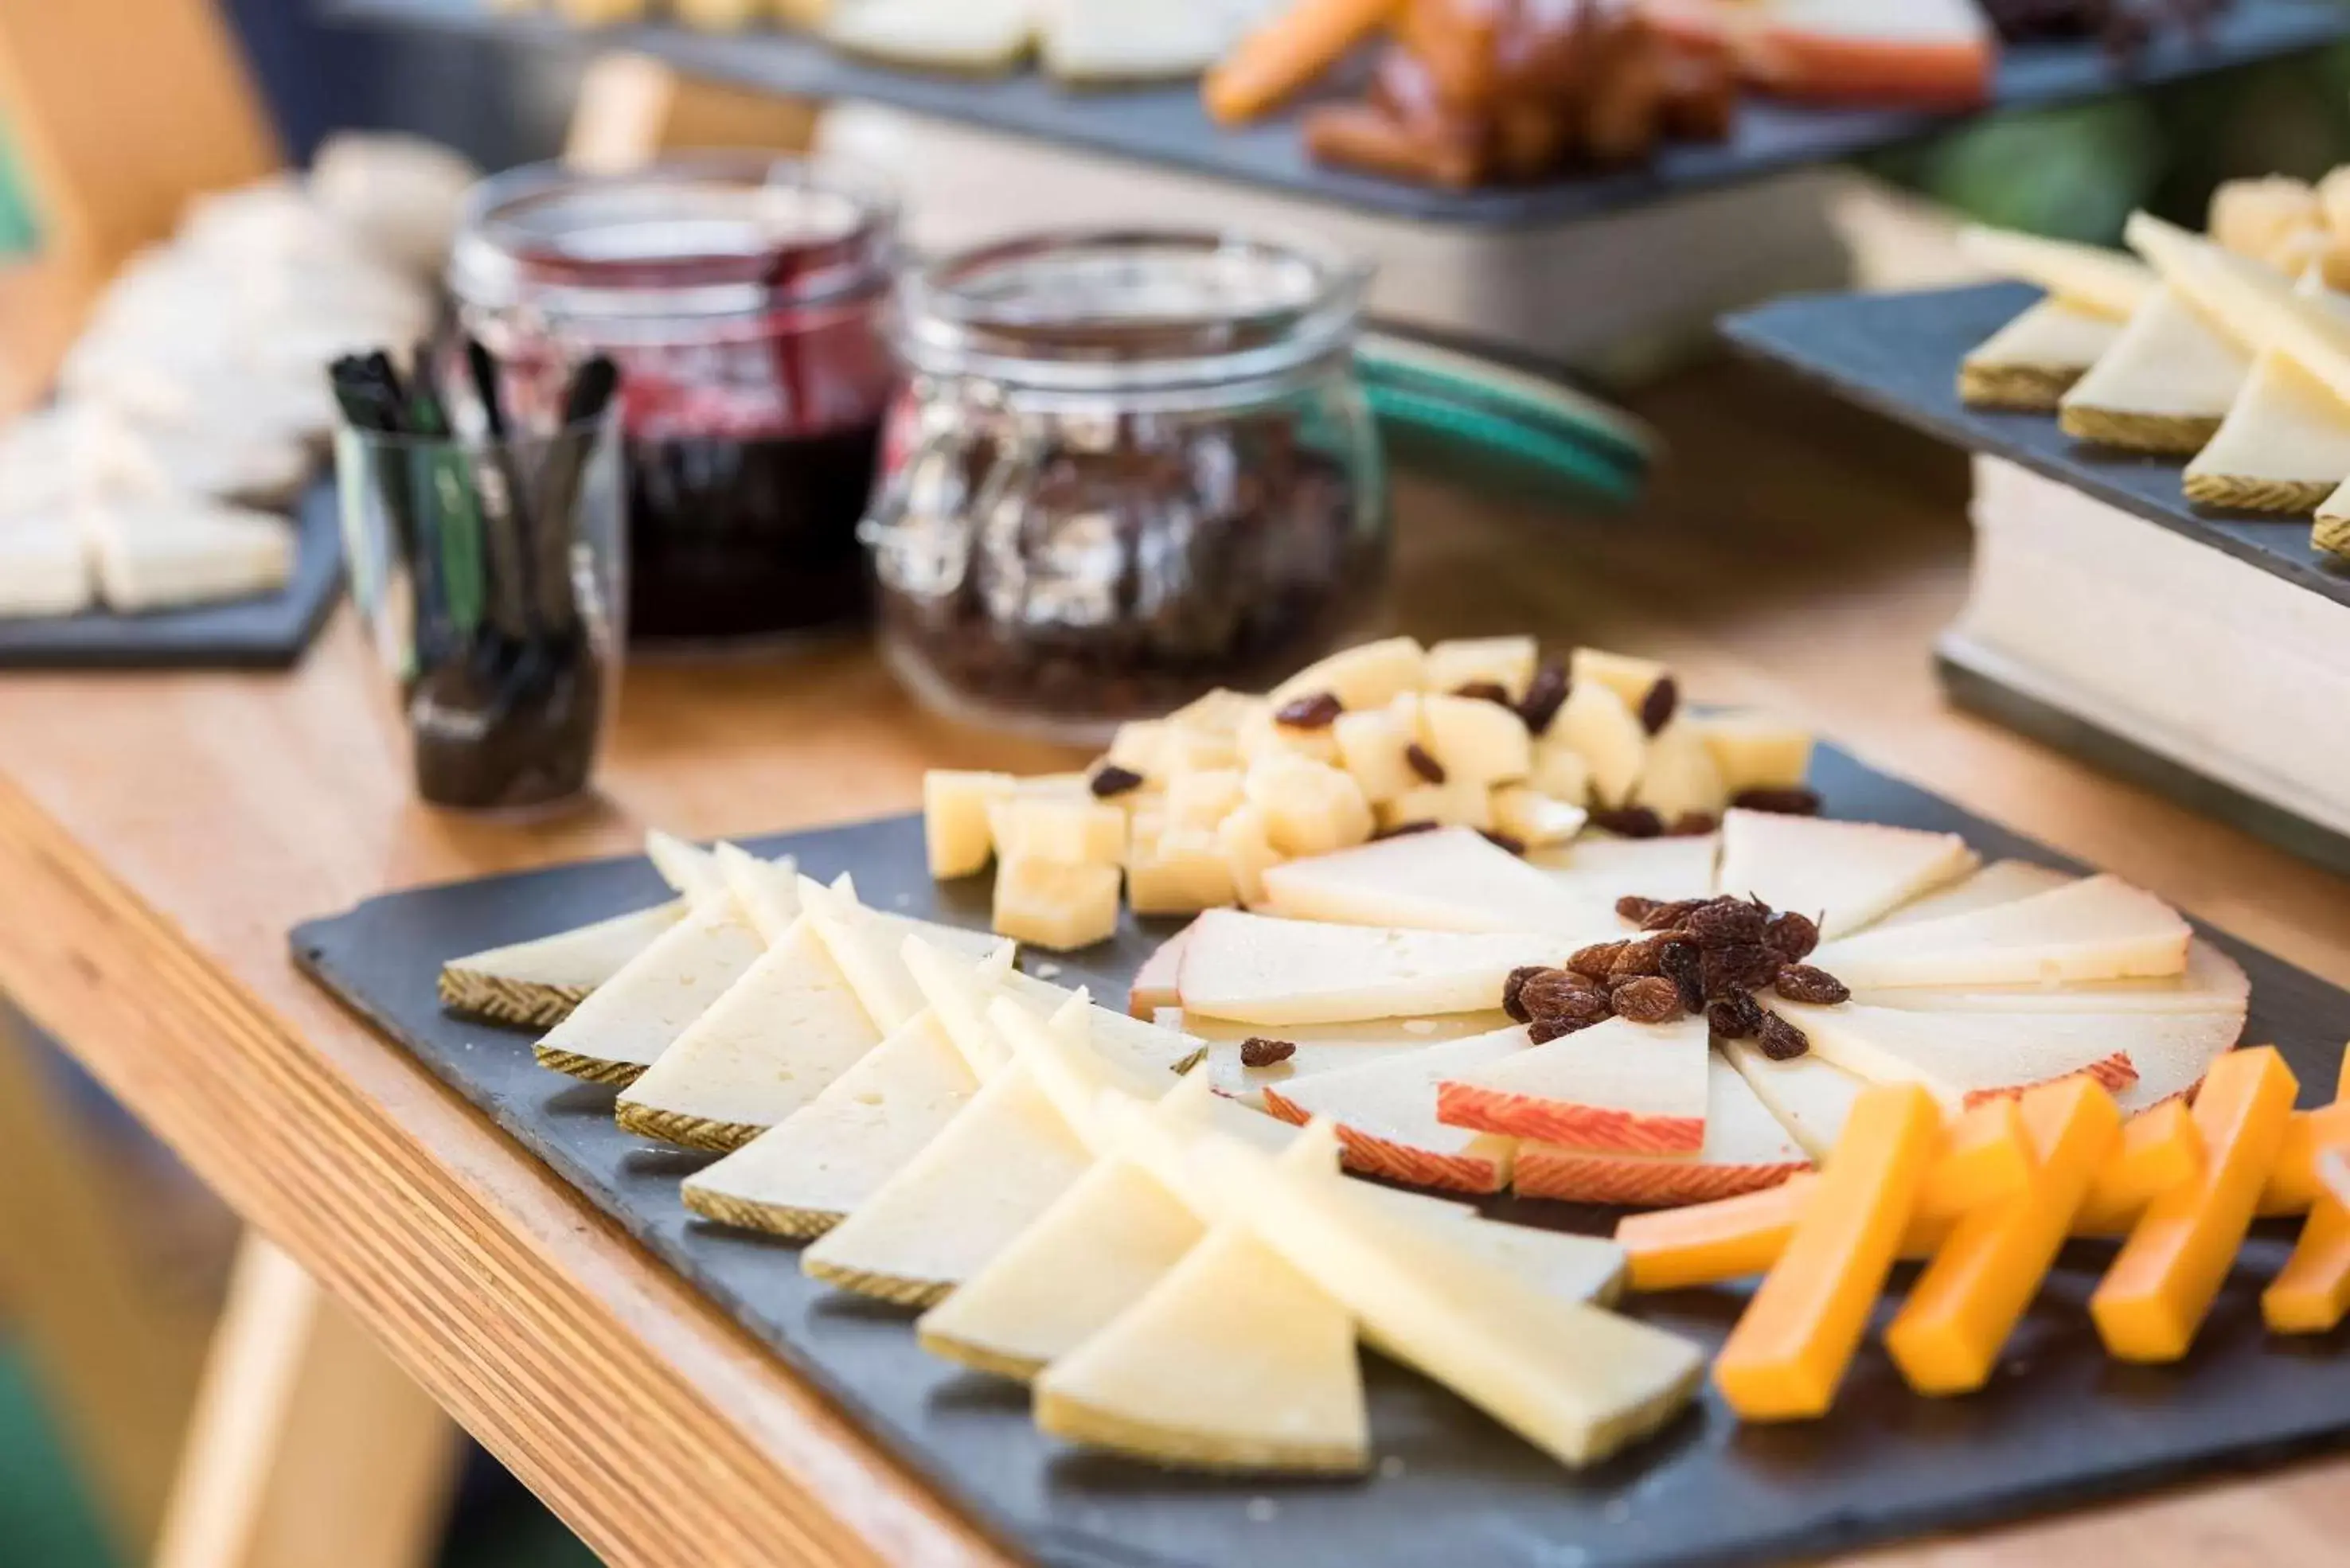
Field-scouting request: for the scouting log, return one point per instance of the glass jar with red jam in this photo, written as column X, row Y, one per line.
column 740, row 295
column 1126, row 468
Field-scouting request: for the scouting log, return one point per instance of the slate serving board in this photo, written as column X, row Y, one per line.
column 2060, row 1424
column 266, row 633
column 1165, row 124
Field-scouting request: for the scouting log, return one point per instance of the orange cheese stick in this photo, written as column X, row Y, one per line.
column 2159, row 1150
column 1792, row 1346
column 2292, row 1184
column 1949, row 1333
column 1289, row 52
column 1986, row 1154
column 2310, row 1294
column 2156, row 1295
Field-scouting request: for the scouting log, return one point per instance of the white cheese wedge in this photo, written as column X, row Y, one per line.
column 801, row 1176
column 165, row 553
column 766, row 886
column 1842, row 873
column 2211, row 982
column 1157, row 983
column 1618, row 1088
column 2001, row 882
column 1386, row 1115
column 1253, row 970
column 2112, row 284
column 537, row 984
column 866, row 944
column 2099, row 928
column 1454, row 879
column 627, row 1022
column 1137, row 1048
column 976, row 36
column 2034, row 361
column 1746, row 1150
column 44, row 568
column 1110, row 41
column 2165, row 385
column 1599, row 870
column 1324, row 1047
column 1809, row 1096
column 2283, row 447
column 1967, row 1058
column 2260, row 307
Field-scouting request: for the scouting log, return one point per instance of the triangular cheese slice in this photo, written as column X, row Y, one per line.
column 1454, row 879
column 2283, row 447
column 627, row 1022
column 1617, row 1087
column 2212, row 982
column 1809, row 1096
column 2001, row 882
column 178, row 550
column 801, row 1176
column 1253, row 970
column 1157, row 984
column 2033, row 361
column 1325, row 1047
column 1842, row 873
column 1744, row 1150
column 2172, row 1052
column 1964, row 1058
column 2108, row 284
column 1386, row 1115
column 2164, row 387
column 537, row 984
column 2099, row 928
column 1601, row 870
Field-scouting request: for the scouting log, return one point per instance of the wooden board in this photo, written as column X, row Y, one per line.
column 266, row 633
column 1165, row 124
column 2061, row 1425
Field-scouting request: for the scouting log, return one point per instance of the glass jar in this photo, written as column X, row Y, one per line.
column 1126, row 468
column 740, row 295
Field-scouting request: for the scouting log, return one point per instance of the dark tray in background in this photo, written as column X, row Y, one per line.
column 266, row 633
column 2060, row 1424
column 1165, row 124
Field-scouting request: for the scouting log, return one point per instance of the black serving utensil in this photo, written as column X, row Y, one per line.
column 569, row 452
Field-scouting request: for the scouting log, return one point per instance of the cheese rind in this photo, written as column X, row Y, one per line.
column 535, row 984
column 1385, row 1114
column 627, row 1022
column 1744, row 1149
column 1617, row 1087
column 2033, row 361
column 2165, row 385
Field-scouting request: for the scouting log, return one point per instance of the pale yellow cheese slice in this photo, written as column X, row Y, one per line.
column 1253, row 969
column 2165, row 385
column 1137, row 1046
column 1809, row 1096
column 1617, row 1087
column 1598, row 869
column 1454, row 879
column 2099, row 928
column 2111, row 283
column 1965, row 1057
column 2283, row 447
column 2001, row 882
column 45, row 567
column 1386, row 1115
column 627, row 1022
column 545, row 979
column 2259, row 306
column 2034, row 361
column 1322, row 1047
column 2172, row 1060
column 2211, row 982
column 1842, row 873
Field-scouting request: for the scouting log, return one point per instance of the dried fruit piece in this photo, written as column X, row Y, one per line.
column 1744, row 967
column 1319, row 710
column 1555, row 993
column 1692, row 824
column 1642, row 956
column 1629, row 822
column 1727, row 922
column 1542, row 1031
column 1795, row 802
column 1597, row 960
column 1487, row 691
column 1633, row 907
column 1792, row 936
column 1423, row 764
column 1109, row 779
column 1545, row 694
column 1656, row 709
column 1684, row 965
column 1668, row 916
column 1737, row 1016
column 1513, row 992
column 1647, row 999
column 1500, row 840
column 1780, row 1041
column 1802, row 982
column 1405, row 830
column 1256, row 1051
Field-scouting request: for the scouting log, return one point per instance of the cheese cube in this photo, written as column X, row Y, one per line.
column 1371, row 746
column 1680, row 777
column 1362, row 677
column 1536, row 819
column 1260, row 734
column 1219, row 712
column 1506, row 661
column 1754, row 751
column 1310, row 807
column 1476, row 740
column 1456, row 802
column 1245, row 842
column 1144, row 828
column 1204, row 798
column 1196, row 750
column 1139, row 746
column 1184, row 873
column 1056, row 904
column 1559, row 771
column 1074, row 831
column 1628, row 678
column 954, row 819
column 1598, row 725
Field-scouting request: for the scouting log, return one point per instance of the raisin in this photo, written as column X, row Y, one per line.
column 1640, row 957
column 1500, row 840
column 1542, row 1031
column 1555, row 993
column 1486, row 691
column 1792, row 936
column 1109, row 779
column 1657, row 707
column 1545, row 694
column 1425, row 765
column 1692, row 824
column 1684, row 965
column 1670, row 917
column 1319, row 710
column 1596, row 960
column 1736, row 1016
column 1406, row 829
column 1256, row 1051
column 1797, row 801
column 1647, row 999
column 1726, row 922
column 1629, row 822
column 1780, row 1041
column 1636, row 909
column 1513, row 989
column 1802, row 983
column 1745, row 967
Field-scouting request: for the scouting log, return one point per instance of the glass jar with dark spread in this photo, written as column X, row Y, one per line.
column 739, row 295
column 1127, row 467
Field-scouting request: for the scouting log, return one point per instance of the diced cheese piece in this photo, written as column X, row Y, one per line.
column 1630, row 678
column 1156, row 983
column 1451, row 880
column 1324, row 1047
column 1474, row 741
column 1253, row 969
column 1371, row 748
column 1793, row 1344
column 1187, row 750
column 1577, row 1381
column 1808, row 1094
column 1617, row 1087
column 1244, row 839
column 1505, row 661
column 2271, row 220
column 1310, row 807
column 2033, row 361
column 787, row 1028
column 1056, row 905
column 2165, row 385
column 1559, row 770
column 1744, row 1149
column 2112, row 283
column 1219, row 712
column 1607, row 734
column 955, row 825
column 1139, row 746
column 1361, row 676
column 627, row 1022
column 1599, row 870
column 1204, row 798
column 1262, row 733
column 1966, row 1057
column 816, row 1165
column 2159, row 1150
column 2162, row 1285
column 1068, row 830
column 1184, row 873
column 1452, row 804
column 535, row 984
column 2001, row 882
column 1534, row 819
column 2310, row 1294
column 2099, row 928
column 2283, row 447
column 1386, row 1115
column 45, row 568
column 1842, row 873
column 1959, row 1313
column 1680, row 778
column 970, row 36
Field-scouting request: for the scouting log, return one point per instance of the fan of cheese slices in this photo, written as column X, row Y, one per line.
column 2231, row 351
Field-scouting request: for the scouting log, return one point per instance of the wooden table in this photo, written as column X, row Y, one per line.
column 160, row 833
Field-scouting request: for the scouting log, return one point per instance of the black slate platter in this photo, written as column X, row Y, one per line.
column 2059, row 1426
column 266, row 633
column 1899, row 354
column 1166, row 125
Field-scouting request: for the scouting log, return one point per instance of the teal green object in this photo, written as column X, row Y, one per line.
column 45, row 1516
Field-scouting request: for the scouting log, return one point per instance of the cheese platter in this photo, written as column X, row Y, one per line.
column 1098, row 1277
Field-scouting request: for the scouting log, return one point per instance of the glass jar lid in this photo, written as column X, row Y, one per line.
column 1113, row 309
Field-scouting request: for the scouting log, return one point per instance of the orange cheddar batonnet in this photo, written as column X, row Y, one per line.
column 2157, row 1150
column 1986, row 1154
column 2310, row 1294
column 1793, row 1343
column 1948, row 1334
column 2162, row 1284
column 1289, row 51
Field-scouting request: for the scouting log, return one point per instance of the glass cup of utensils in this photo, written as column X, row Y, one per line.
column 491, row 573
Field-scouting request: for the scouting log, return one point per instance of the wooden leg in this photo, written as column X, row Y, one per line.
column 631, row 108
column 117, row 1359
column 309, row 1447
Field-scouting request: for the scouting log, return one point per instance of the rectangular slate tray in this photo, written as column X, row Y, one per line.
column 266, row 633
column 1899, row 354
column 2060, row 1424
column 1165, row 124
